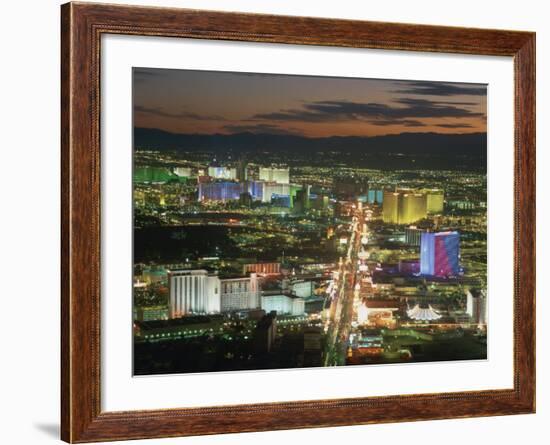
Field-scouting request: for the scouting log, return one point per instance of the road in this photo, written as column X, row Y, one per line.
column 341, row 312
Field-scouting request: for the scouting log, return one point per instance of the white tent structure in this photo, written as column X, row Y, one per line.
column 423, row 314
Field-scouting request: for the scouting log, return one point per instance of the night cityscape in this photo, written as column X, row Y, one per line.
column 296, row 221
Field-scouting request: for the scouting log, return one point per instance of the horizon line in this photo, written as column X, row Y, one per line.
column 311, row 137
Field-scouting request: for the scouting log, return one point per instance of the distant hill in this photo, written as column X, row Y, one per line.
column 429, row 150
column 442, row 145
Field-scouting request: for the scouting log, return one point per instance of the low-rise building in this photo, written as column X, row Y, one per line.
column 283, row 304
column 185, row 327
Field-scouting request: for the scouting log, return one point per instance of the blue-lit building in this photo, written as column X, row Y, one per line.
column 256, row 190
column 218, row 172
column 220, row 191
column 439, row 254
column 375, row 196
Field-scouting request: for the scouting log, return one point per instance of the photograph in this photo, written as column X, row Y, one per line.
column 275, row 222
column 290, row 221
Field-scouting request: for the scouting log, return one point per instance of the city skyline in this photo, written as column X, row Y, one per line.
column 295, row 221
column 210, row 102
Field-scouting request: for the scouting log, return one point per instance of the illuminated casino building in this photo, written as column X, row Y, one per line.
column 434, row 201
column 274, row 174
column 220, row 191
column 263, row 268
column 273, row 188
column 378, row 312
column 259, row 191
column 375, row 196
column 182, row 171
column 304, row 289
column 199, row 292
column 412, row 207
column 256, row 190
column 222, row 172
column 403, row 207
column 390, row 210
column 283, row 304
column 439, row 254
column 239, row 293
column 193, row 292
column 412, row 235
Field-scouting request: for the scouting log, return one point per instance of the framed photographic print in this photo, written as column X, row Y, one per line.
column 276, row 222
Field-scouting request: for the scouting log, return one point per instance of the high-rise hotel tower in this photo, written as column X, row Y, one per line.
column 439, row 254
column 199, row 292
column 404, row 207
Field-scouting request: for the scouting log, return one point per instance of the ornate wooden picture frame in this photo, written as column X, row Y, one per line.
column 82, row 25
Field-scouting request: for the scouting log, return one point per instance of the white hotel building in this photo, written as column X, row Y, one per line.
column 239, row 294
column 283, row 304
column 273, row 174
column 222, row 172
column 193, row 292
column 199, row 292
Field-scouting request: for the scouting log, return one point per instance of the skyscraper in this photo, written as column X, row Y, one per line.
column 220, row 191
column 301, row 200
column 439, row 254
column 283, row 304
column 242, row 170
column 390, row 209
column 218, row 172
column 275, row 174
column 412, row 207
column 403, row 207
column 412, row 235
column 434, row 201
column 198, row 292
column 240, row 293
column 273, row 188
column 256, row 189
column 476, row 306
column 375, row 196
column 193, row 292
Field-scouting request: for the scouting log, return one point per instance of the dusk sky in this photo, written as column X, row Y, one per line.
column 207, row 102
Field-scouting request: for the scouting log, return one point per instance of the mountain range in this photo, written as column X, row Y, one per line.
column 432, row 150
column 471, row 144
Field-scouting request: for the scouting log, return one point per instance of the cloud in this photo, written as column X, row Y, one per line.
column 450, row 102
column 178, row 115
column 404, row 111
column 441, row 88
column 428, row 108
column 454, row 125
column 261, row 128
column 292, row 115
column 405, row 122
